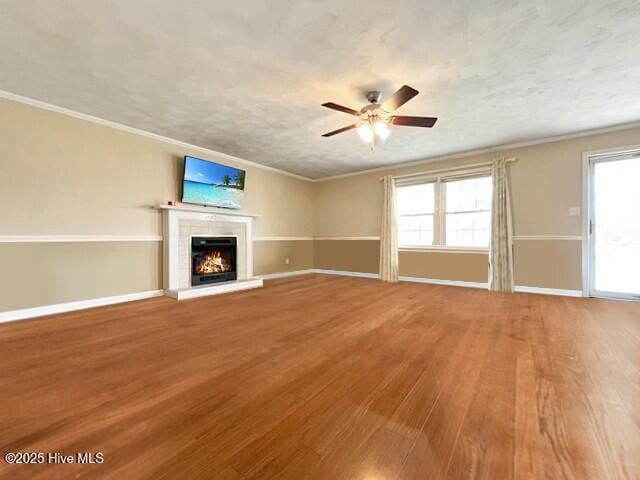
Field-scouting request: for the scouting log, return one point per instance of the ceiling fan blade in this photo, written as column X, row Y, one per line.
column 340, row 130
column 413, row 121
column 340, row 108
column 402, row 96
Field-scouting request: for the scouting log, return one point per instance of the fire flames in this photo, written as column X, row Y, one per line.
column 212, row 263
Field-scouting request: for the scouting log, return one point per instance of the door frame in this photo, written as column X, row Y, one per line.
column 589, row 159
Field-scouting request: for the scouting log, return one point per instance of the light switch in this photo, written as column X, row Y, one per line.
column 574, row 211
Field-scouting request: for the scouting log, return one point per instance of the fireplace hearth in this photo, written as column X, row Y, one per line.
column 213, row 259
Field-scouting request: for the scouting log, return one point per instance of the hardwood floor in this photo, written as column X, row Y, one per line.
column 329, row 378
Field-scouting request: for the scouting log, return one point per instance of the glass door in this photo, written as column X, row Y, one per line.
column 614, row 227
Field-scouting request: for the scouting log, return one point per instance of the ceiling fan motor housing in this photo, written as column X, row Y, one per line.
column 373, row 96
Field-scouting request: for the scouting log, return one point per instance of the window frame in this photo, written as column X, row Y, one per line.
column 440, row 209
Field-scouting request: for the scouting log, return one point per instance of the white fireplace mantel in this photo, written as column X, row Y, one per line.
column 197, row 208
column 180, row 223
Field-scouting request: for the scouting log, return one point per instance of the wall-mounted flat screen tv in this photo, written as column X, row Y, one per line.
column 209, row 183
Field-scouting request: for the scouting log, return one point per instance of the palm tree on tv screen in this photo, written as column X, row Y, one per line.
column 226, row 179
column 239, row 179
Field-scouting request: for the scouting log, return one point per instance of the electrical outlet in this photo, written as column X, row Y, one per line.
column 574, row 212
column 286, row 261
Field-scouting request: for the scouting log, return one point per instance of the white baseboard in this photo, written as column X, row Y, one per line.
column 269, row 276
column 25, row 313
column 549, row 291
column 452, row 283
column 456, row 283
column 346, row 273
column 98, row 302
column 433, row 281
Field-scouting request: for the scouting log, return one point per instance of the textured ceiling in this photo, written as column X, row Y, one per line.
column 247, row 78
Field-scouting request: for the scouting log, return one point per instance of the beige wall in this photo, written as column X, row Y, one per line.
column 36, row 274
column 347, row 255
column 465, row 267
column 70, row 176
column 548, row 264
column 538, row 263
column 65, row 176
column 271, row 256
column 363, row 256
column 546, row 181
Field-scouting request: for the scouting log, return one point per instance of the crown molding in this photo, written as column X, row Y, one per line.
column 496, row 148
column 453, row 156
column 136, row 131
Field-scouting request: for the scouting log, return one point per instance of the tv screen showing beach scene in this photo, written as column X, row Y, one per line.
column 209, row 183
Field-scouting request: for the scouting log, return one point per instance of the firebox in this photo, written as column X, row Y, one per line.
column 213, row 259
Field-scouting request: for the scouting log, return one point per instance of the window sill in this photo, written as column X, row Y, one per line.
column 442, row 249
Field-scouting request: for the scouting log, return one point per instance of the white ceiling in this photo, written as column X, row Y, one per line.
column 247, row 77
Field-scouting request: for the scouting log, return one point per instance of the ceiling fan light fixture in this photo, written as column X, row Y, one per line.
column 381, row 129
column 366, row 133
column 373, row 122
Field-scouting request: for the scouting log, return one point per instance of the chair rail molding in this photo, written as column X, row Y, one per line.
column 78, row 238
column 548, row 237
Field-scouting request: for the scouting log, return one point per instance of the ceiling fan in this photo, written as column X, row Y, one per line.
column 375, row 119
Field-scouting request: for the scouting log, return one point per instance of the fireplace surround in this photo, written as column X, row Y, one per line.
column 183, row 223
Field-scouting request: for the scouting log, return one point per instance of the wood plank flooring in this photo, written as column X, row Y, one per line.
column 325, row 377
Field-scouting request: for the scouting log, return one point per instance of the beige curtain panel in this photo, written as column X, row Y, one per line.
column 389, row 235
column 501, row 248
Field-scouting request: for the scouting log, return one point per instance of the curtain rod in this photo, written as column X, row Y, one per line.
column 450, row 169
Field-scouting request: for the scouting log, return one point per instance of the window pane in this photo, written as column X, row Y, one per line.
column 415, row 230
column 469, row 194
column 468, row 212
column 415, row 206
column 415, row 199
column 468, row 229
column 482, row 237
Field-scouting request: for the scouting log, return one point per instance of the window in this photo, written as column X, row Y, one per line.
column 449, row 211
column 416, row 208
column 468, row 212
